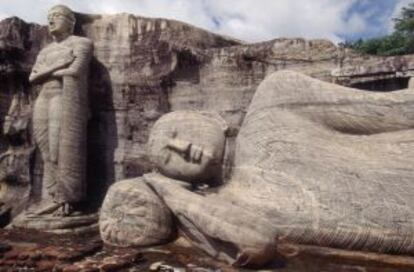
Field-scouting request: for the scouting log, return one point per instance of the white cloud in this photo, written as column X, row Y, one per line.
column 268, row 19
column 3, row 15
column 250, row 20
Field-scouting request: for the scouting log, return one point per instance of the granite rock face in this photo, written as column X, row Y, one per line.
column 144, row 67
column 374, row 72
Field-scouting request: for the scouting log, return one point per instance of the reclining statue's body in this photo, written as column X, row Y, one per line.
column 315, row 163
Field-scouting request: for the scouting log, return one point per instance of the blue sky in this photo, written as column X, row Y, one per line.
column 249, row 20
column 377, row 14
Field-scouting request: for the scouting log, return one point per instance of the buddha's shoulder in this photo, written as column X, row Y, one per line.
column 47, row 48
column 81, row 41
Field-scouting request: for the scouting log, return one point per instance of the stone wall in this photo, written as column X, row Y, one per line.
column 145, row 67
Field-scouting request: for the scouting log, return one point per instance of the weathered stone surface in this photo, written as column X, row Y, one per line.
column 80, row 224
column 60, row 113
column 132, row 215
column 186, row 146
column 189, row 146
column 328, row 165
column 312, row 162
column 374, row 72
column 19, row 44
column 145, row 67
column 225, row 230
column 15, row 180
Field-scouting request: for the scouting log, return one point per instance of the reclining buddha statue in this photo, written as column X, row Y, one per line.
column 315, row 163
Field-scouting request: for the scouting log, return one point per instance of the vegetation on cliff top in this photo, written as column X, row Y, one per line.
column 399, row 42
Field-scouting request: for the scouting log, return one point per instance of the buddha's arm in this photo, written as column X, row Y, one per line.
column 83, row 53
column 41, row 71
column 213, row 223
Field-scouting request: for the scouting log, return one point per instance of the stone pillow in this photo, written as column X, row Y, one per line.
column 133, row 215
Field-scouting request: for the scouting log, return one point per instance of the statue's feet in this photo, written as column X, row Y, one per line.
column 54, row 209
column 65, row 209
column 44, row 209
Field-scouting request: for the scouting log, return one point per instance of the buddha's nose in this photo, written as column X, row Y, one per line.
column 179, row 146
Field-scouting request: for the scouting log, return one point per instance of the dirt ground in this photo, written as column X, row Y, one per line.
column 24, row 250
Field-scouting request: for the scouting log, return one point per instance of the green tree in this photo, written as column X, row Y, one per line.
column 405, row 22
column 399, row 42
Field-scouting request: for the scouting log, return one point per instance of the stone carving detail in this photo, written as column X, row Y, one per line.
column 188, row 145
column 61, row 111
column 188, row 149
column 224, row 230
column 315, row 163
column 59, row 126
column 132, row 215
column 328, row 165
column 312, row 162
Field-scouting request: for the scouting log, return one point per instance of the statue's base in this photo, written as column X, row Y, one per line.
column 79, row 224
column 30, row 250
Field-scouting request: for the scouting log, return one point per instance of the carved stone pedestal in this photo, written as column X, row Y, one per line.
column 80, row 224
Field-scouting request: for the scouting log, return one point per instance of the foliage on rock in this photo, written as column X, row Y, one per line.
column 399, row 42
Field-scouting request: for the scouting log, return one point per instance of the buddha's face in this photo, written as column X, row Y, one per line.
column 60, row 21
column 188, row 146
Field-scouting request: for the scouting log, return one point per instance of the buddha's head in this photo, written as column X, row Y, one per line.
column 188, row 145
column 61, row 20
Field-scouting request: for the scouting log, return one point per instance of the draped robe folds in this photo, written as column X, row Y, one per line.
column 315, row 163
column 67, row 176
column 328, row 165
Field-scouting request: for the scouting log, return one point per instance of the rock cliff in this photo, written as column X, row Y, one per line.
column 145, row 67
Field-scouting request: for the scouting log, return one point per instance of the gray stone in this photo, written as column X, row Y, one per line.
column 328, row 165
column 61, row 111
column 132, row 215
column 189, row 145
column 315, row 163
column 312, row 161
column 74, row 224
column 225, row 230
column 188, row 148
column 60, row 117
column 14, row 182
column 145, row 67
